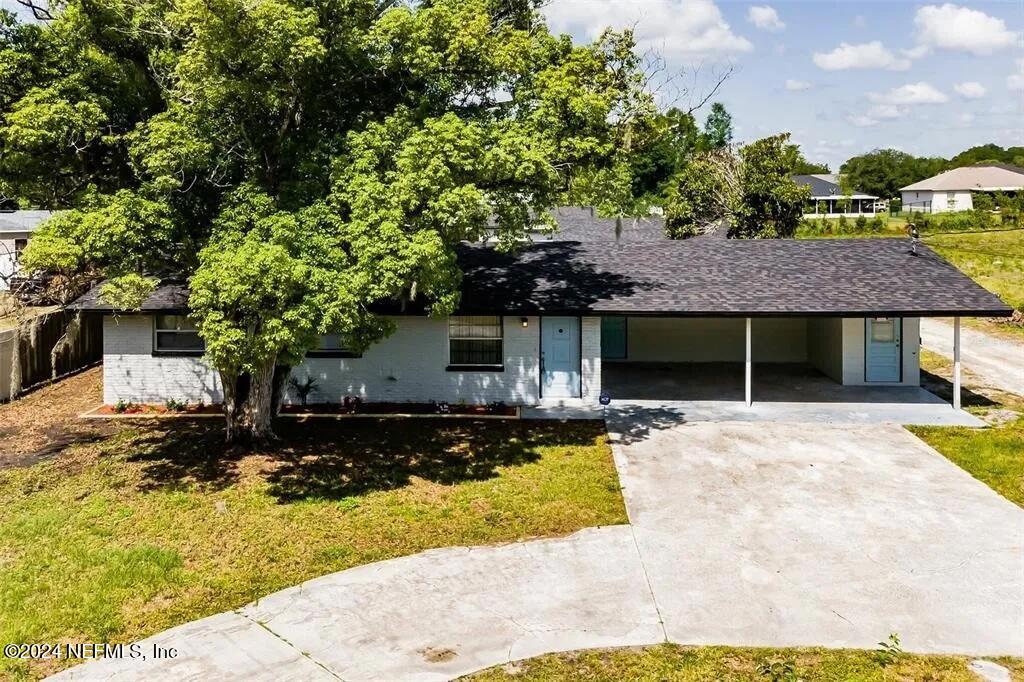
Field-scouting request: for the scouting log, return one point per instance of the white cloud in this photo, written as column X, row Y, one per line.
column 797, row 86
column 951, row 27
column 689, row 29
column 871, row 55
column 970, row 90
column 765, row 18
column 862, row 121
column 966, row 118
column 916, row 52
column 882, row 111
column 1015, row 81
column 911, row 93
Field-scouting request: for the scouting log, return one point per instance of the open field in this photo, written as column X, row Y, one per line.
column 672, row 663
column 158, row 524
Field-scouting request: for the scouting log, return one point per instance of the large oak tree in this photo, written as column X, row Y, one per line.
column 299, row 161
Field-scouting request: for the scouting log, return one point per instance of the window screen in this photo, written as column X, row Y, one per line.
column 475, row 340
column 176, row 334
column 334, row 345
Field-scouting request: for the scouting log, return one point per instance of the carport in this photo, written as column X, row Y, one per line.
column 780, row 358
column 737, row 321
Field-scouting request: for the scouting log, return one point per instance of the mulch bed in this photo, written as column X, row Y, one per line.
column 498, row 409
column 43, row 423
column 348, row 408
column 150, row 409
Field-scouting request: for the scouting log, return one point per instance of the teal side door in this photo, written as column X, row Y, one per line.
column 882, row 357
column 613, row 338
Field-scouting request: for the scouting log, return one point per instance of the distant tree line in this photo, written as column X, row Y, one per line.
column 883, row 172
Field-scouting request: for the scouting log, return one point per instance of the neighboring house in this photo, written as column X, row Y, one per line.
column 951, row 191
column 827, row 198
column 540, row 324
column 16, row 228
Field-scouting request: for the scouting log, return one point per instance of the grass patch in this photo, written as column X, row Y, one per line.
column 994, row 455
column 159, row 525
column 995, row 260
column 670, row 662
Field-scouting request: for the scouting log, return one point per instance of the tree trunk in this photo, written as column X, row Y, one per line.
column 281, row 374
column 229, row 383
column 256, row 416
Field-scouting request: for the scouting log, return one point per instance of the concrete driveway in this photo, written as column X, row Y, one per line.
column 798, row 534
column 741, row 533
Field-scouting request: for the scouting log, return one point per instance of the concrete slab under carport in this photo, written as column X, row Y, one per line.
column 791, row 393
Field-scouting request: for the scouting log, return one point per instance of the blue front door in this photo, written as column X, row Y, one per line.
column 560, row 357
column 882, row 349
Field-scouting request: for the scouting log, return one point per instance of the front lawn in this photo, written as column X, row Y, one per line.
column 669, row 662
column 158, row 524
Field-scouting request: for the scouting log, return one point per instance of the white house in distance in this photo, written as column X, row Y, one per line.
column 951, row 191
column 827, row 197
column 16, row 228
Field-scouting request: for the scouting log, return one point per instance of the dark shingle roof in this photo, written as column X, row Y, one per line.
column 826, row 185
column 583, row 224
column 707, row 277
column 820, row 187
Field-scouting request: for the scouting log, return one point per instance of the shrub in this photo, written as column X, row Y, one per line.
column 842, row 226
column 877, row 224
column 895, row 206
column 173, row 405
column 861, row 222
column 983, row 201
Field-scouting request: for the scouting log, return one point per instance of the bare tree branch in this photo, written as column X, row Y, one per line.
column 40, row 9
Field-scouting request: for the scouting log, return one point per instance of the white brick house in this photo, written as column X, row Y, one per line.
column 552, row 321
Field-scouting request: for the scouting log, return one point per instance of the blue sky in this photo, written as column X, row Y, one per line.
column 927, row 78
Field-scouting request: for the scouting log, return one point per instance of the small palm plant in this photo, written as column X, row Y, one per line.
column 303, row 388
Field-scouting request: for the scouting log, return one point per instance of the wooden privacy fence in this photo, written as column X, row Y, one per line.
column 47, row 347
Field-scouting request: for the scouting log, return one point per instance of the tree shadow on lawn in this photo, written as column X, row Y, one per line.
column 334, row 459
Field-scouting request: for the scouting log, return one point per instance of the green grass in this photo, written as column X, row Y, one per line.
column 994, row 455
column 993, row 259
column 669, row 662
column 160, row 525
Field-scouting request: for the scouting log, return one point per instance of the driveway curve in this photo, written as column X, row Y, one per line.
column 740, row 533
column 430, row 616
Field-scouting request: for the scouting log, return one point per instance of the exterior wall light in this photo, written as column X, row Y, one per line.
column 525, row 321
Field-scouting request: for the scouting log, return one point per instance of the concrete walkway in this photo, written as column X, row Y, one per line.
column 752, row 534
column 998, row 361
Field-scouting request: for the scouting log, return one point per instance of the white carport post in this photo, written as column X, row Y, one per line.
column 749, row 368
column 956, row 363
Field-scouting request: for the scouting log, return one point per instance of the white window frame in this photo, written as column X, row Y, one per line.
column 157, row 330
column 454, row 366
